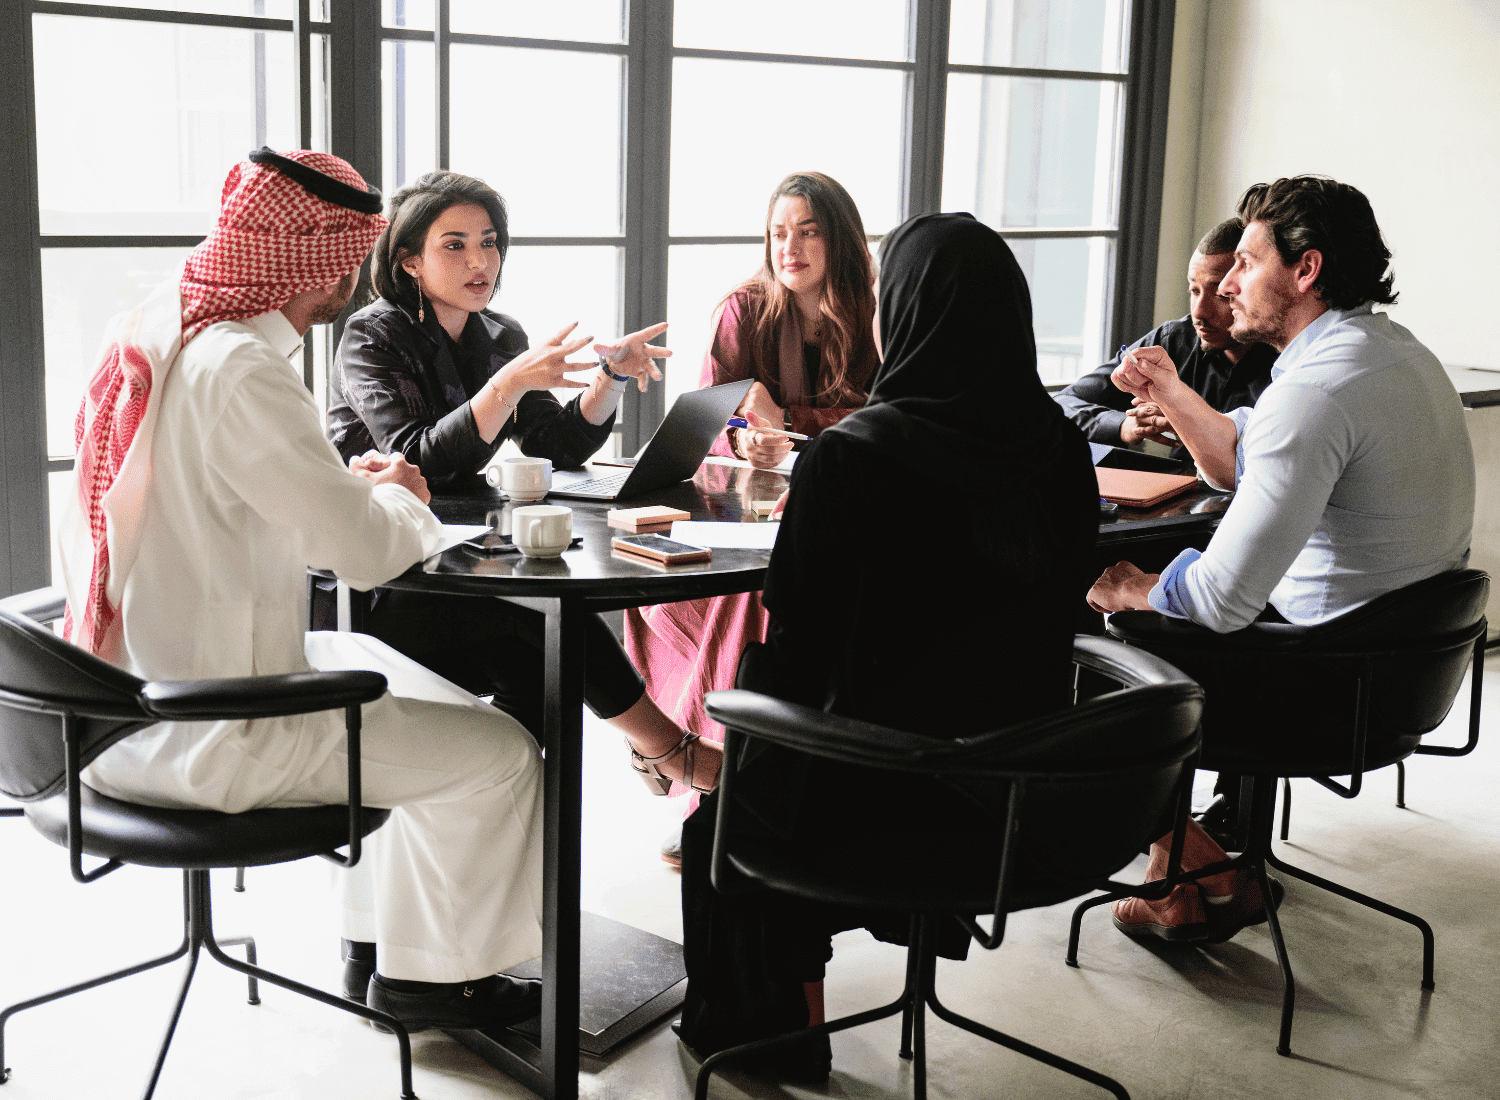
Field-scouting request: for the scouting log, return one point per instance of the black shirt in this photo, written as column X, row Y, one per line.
column 1096, row 406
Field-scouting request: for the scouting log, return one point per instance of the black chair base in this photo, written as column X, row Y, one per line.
column 919, row 994
column 198, row 934
column 1257, row 856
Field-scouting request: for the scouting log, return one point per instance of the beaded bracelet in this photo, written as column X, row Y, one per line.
column 604, row 366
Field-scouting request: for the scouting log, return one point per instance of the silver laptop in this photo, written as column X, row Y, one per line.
column 673, row 454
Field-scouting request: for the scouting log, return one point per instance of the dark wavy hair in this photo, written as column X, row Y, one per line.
column 1304, row 212
column 413, row 210
column 847, row 301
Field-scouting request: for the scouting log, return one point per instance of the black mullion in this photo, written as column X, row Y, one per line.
column 793, row 58
column 302, row 42
column 648, row 145
column 23, row 425
column 1142, row 155
column 926, row 107
column 119, row 240
column 441, row 43
column 1045, row 74
column 354, row 130
column 155, row 15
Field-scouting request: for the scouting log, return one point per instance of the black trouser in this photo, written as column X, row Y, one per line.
column 490, row 647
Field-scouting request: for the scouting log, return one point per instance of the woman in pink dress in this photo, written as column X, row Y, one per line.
column 802, row 329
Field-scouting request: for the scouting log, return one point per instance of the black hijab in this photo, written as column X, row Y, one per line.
column 957, row 383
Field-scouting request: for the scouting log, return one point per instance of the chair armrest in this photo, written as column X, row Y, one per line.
column 818, row 732
column 1123, row 664
column 259, row 696
column 1150, row 628
column 40, row 605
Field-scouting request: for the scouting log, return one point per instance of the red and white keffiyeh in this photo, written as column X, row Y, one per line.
column 274, row 240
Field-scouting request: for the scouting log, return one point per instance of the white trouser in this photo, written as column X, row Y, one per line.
column 450, row 888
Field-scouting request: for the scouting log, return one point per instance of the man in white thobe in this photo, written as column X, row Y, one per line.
column 205, row 489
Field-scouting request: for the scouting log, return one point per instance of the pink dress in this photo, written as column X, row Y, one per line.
column 685, row 650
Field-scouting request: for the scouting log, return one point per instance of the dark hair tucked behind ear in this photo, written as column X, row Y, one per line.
column 1221, row 239
column 413, row 210
column 1304, row 212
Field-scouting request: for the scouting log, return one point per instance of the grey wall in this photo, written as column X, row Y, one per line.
column 1398, row 98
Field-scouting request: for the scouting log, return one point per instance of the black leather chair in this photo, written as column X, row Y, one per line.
column 60, row 707
column 44, row 605
column 1128, row 755
column 1341, row 698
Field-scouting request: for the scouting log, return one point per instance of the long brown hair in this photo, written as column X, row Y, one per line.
column 846, row 302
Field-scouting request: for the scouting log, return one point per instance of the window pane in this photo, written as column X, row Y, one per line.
column 547, row 288
column 408, row 112
column 273, row 9
column 82, row 290
column 1036, row 153
column 1067, row 280
column 407, row 13
column 723, row 170
column 575, row 21
column 1087, row 35
column 874, row 29
column 698, row 278
column 138, row 123
column 58, row 486
column 558, row 161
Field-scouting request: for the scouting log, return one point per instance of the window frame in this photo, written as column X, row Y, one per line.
column 350, row 98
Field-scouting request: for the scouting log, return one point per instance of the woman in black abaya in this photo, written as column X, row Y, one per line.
column 932, row 553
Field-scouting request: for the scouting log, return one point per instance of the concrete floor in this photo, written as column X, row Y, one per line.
column 1166, row 1022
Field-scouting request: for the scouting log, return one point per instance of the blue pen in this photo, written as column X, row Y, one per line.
column 741, row 422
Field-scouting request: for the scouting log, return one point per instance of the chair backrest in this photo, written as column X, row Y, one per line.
column 1094, row 784
column 1271, row 682
column 43, row 680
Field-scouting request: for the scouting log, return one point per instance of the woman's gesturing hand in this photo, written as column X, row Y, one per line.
column 543, row 367
column 635, row 356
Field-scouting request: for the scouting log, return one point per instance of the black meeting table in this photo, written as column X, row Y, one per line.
column 590, row 578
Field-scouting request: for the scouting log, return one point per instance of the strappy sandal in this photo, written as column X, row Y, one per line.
column 646, row 766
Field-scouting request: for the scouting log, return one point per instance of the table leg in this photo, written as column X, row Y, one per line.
column 562, row 736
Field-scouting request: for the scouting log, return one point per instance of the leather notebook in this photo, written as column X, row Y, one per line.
column 1140, row 488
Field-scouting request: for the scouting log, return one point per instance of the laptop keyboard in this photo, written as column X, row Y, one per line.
column 600, row 485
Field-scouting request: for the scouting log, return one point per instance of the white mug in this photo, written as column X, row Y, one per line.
column 522, row 478
column 541, row 530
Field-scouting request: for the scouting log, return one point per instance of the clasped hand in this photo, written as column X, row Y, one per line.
column 1150, row 377
column 391, row 469
column 1122, row 587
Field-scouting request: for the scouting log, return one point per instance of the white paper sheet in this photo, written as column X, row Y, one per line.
column 730, row 536
column 455, row 533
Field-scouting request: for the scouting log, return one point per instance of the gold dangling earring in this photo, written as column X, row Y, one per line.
column 416, row 281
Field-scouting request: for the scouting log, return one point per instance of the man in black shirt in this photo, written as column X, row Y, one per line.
column 1228, row 375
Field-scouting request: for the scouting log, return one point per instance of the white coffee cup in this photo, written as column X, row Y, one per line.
column 522, row 478
column 541, row 530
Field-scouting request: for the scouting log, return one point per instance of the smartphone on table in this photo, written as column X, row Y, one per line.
column 660, row 548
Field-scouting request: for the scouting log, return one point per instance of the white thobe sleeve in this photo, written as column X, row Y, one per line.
column 269, row 450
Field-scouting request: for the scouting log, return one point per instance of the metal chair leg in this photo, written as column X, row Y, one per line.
column 211, row 946
column 1286, row 807
column 1429, row 946
column 911, row 986
column 1401, row 784
column 181, row 950
column 239, row 880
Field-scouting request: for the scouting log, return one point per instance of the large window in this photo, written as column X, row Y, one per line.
column 635, row 143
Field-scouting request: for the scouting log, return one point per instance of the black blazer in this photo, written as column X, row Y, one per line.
column 398, row 385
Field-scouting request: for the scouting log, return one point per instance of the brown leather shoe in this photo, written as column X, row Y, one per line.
column 1244, row 908
column 1176, row 918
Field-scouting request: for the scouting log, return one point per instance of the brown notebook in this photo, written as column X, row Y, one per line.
column 1141, row 488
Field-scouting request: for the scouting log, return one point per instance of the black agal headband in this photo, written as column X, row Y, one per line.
column 323, row 186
